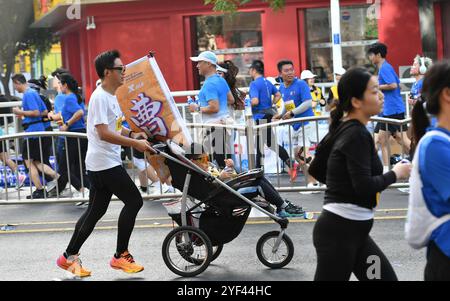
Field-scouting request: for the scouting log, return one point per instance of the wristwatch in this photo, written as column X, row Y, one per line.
column 292, row 114
column 199, row 109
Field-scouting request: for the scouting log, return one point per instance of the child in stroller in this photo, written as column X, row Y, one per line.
column 264, row 188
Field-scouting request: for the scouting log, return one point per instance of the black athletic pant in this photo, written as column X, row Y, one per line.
column 103, row 185
column 73, row 163
column 344, row 247
column 265, row 137
column 215, row 142
column 438, row 264
column 270, row 193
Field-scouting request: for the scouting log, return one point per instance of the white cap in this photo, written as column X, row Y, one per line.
column 340, row 71
column 210, row 57
column 306, row 74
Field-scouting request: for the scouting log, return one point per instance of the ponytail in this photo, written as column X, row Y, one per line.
column 435, row 81
column 43, row 82
column 72, row 84
column 336, row 117
column 353, row 84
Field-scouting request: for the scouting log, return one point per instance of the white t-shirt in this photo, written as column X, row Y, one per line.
column 103, row 109
column 350, row 211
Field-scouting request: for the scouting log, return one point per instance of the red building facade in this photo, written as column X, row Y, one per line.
column 178, row 29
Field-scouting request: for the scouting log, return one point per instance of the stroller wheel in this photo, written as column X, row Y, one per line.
column 265, row 250
column 187, row 251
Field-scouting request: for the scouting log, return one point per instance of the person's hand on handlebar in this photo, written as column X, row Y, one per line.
column 139, row 136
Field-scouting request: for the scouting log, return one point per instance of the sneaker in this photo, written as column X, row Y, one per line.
column 404, row 190
column 293, row 171
column 37, row 194
column 282, row 213
column 292, row 209
column 168, row 189
column 73, row 265
column 52, row 185
column 21, row 181
column 126, row 263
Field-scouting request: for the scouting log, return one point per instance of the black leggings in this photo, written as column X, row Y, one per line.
column 344, row 246
column 438, row 264
column 103, row 185
column 265, row 136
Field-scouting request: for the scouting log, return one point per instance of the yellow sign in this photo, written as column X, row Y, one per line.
column 42, row 7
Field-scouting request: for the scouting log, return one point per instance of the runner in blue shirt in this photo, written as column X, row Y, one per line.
column 264, row 95
column 434, row 165
column 394, row 107
column 214, row 98
column 73, row 118
column 33, row 111
column 297, row 103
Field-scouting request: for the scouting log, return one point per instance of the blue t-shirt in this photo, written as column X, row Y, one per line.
column 393, row 102
column 214, row 88
column 434, row 167
column 298, row 92
column 31, row 102
column 262, row 89
column 70, row 107
column 59, row 102
column 416, row 89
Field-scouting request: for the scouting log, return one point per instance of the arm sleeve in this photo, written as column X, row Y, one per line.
column 437, row 166
column 100, row 111
column 303, row 107
column 358, row 157
column 305, row 92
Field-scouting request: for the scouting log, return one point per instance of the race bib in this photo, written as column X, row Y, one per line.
column 289, row 105
column 119, row 122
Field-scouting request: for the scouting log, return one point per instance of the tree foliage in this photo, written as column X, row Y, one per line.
column 15, row 35
column 232, row 6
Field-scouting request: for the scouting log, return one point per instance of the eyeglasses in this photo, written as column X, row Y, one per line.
column 118, row 68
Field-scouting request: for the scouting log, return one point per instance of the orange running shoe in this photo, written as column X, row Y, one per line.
column 126, row 263
column 73, row 265
column 293, row 171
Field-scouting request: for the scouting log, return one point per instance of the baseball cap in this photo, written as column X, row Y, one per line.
column 306, row 74
column 340, row 71
column 210, row 57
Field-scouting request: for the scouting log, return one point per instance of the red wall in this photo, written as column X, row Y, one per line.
column 162, row 26
column 399, row 29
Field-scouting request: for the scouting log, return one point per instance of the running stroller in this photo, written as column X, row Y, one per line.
column 216, row 216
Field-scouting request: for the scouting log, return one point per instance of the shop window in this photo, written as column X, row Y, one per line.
column 235, row 37
column 358, row 31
